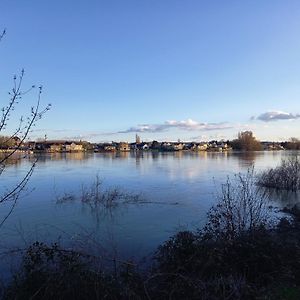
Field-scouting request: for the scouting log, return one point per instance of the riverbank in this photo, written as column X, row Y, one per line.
column 261, row 261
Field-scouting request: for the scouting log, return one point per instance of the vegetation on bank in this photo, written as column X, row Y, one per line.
column 262, row 263
column 284, row 177
column 246, row 142
column 241, row 253
column 292, row 144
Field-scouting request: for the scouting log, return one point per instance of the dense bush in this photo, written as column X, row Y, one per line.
column 292, row 144
column 238, row 255
column 251, row 265
column 261, row 264
column 284, row 177
column 51, row 272
column 246, row 142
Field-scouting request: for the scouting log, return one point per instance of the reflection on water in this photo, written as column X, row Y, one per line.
column 62, row 156
column 15, row 159
column 245, row 158
column 283, row 198
column 188, row 179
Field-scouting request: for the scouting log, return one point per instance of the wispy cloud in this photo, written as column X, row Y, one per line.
column 201, row 138
column 85, row 136
column 276, row 115
column 69, row 134
column 188, row 125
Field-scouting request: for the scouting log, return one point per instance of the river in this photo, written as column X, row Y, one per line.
column 175, row 189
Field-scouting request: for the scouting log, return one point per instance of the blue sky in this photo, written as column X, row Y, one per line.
column 167, row 69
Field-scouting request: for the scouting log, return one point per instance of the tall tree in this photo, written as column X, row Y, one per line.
column 246, row 142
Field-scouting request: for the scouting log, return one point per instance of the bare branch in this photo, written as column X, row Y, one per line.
column 2, row 34
column 19, row 135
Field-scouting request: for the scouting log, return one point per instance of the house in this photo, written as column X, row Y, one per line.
column 214, row 147
column 38, row 146
column 30, row 145
column 202, row 147
column 142, row 146
column 49, row 146
column 17, row 141
column 124, row 147
column 199, row 147
column 58, row 146
column 133, row 146
column 73, row 147
column 172, row 146
column 55, row 148
column 178, row 146
column 272, row 146
column 145, row 146
column 166, row 146
column 225, row 147
column 109, row 148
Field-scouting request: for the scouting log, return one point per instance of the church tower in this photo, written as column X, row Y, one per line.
column 137, row 139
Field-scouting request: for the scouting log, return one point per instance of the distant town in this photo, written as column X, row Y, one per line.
column 245, row 142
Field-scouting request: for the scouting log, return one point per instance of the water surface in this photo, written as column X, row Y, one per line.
column 177, row 189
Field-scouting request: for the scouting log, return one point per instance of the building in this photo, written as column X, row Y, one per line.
column 199, row 147
column 109, row 148
column 58, row 146
column 124, row 147
column 143, row 146
column 55, row 148
column 137, row 139
column 177, row 146
column 73, row 147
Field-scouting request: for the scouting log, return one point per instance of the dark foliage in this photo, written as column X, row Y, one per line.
column 261, row 264
column 51, row 272
column 292, row 144
column 284, row 177
column 246, row 142
column 251, row 265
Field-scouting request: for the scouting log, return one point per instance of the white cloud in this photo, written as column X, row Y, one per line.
column 277, row 115
column 188, row 125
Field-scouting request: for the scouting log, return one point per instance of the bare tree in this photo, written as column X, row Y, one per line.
column 241, row 207
column 286, row 176
column 18, row 134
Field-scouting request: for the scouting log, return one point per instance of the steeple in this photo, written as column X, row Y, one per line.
column 137, row 139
